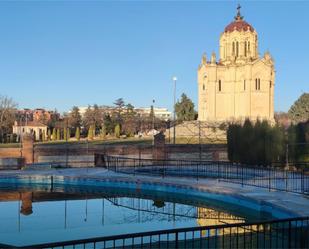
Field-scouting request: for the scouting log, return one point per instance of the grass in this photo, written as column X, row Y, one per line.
column 10, row 145
column 111, row 141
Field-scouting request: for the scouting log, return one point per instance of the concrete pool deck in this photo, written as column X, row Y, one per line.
column 293, row 203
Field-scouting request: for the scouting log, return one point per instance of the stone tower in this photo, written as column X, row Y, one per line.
column 240, row 84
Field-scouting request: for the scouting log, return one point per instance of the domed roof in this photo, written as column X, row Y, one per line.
column 239, row 24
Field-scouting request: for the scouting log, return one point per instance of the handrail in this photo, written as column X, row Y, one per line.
column 161, row 232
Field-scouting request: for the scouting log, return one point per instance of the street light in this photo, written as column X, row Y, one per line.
column 174, row 128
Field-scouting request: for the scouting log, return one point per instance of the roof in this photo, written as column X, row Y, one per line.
column 30, row 123
column 239, row 25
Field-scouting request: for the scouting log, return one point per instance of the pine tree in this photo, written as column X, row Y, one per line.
column 77, row 134
column 185, row 109
column 299, row 111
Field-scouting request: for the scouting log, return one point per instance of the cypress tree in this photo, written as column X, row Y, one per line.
column 103, row 132
column 77, row 134
column 90, row 132
column 65, row 137
column 48, row 135
column 54, row 136
column 117, row 131
column 58, row 134
column 43, row 136
column 68, row 133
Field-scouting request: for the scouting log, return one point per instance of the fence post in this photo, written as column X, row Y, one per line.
column 242, row 176
column 176, row 240
column 197, row 166
column 134, row 166
column 269, row 183
column 302, row 181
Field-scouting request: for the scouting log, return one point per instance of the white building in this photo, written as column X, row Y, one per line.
column 160, row 113
column 30, row 127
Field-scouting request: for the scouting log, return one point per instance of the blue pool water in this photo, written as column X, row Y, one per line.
column 32, row 214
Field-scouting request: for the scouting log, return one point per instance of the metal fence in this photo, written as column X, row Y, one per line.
column 285, row 233
column 272, row 177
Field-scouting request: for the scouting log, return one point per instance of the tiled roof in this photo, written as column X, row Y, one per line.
column 238, row 25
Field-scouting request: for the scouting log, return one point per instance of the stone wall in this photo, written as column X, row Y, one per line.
column 10, row 152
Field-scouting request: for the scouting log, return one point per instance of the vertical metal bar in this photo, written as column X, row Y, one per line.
column 176, row 240
column 289, row 235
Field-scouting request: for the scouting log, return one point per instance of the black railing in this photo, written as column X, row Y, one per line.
column 273, row 177
column 285, row 233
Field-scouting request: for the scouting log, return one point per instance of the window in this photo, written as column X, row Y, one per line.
column 220, row 86
column 248, row 46
column 203, row 87
column 245, row 52
column 233, row 48
column 257, row 84
column 237, row 48
column 244, row 85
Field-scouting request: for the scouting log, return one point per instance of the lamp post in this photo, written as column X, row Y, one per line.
column 174, row 127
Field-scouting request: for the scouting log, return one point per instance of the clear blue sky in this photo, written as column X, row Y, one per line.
column 58, row 54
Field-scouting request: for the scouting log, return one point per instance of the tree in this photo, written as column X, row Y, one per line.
column 75, row 119
column 119, row 103
column 54, row 136
column 77, row 133
column 48, row 134
column 43, row 136
column 117, row 130
column 58, row 134
column 185, row 109
column 259, row 144
column 68, row 134
column 299, row 111
column 7, row 116
column 65, row 136
column 93, row 117
column 103, row 132
column 91, row 132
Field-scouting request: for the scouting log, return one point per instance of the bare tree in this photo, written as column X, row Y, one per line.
column 7, row 115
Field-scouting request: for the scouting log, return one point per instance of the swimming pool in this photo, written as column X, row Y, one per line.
column 42, row 209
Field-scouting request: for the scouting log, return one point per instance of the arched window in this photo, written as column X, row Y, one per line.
column 270, row 83
column 220, row 86
column 245, row 51
column 248, row 46
column 237, row 49
column 244, row 85
column 203, row 87
column 233, row 52
column 257, row 84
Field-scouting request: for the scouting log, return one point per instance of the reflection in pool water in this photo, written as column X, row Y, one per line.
column 30, row 216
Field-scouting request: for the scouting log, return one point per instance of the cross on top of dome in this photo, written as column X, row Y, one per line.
column 238, row 17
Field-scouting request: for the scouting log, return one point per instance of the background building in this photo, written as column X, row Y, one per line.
column 240, row 84
column 30, row 127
